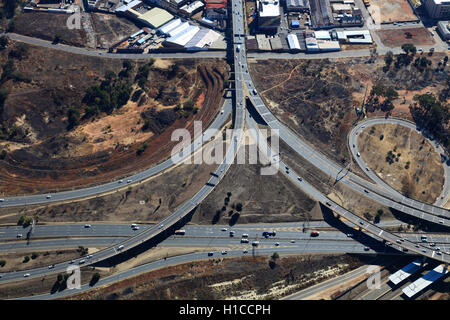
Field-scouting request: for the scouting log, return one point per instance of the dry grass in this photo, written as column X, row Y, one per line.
column 425, row 177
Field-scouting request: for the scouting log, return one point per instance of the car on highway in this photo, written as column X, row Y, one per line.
column 89, row 256
column 366, row 191
column 210, row 253
column 160, row 226
column 2, row 200
column 224, row 252
column 398, row 241
column 405, row 249
column 135, row 228
column 82, row 261
column 438, row 253
column 244, row 240
column 366, row 248
column 361, row 223
column 87, row 225
column 224, row 229
column 314, row 233
column 1, row 276
column 19, row 235
column 232, row 233
column 222, row 111
column 120, row 247
column 71, row 261
column 292, row 241
column 255, row 243
column 245, row 251
column 299, row 179
column 277, row 244
column 48, row 196
column 120, row 181
column 51, row 266
column 358, row 154
column 433, row 244
column 26, row 275
column 245, row 235
column 349, row 235
column 353, row 146
column 129, row 180
column 255, row 92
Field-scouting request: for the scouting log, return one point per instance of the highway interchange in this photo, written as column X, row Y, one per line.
column 244, row 87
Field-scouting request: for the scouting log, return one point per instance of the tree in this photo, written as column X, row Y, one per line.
column 72, row 117
column 3, row 42
column 59, row 277
column 239, row 207
column 2, row 263
column 409, row 48
column 389, row 58
column 275, row 256
column 26, row 259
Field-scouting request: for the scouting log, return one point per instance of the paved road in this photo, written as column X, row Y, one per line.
column 395, row 241
column 181, row 212
column 174, row 261
column 124, row 230
column 409, row 206
column 196, row 145
column 87, row 52
column 364, row 125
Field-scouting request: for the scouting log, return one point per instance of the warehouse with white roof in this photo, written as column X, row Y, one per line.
column 182, row 38
column 203, row 39
column 169, row 26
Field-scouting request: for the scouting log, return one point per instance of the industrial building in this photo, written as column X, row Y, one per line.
column 355, row 36
column 155, row 17
column 190, row 9
column 297, row 5
column 293, row 43
column 169, row 26
column 182, row 38
column 263, row 42
column 438, row 9
column 183, row 26
column 444, row 29
column 202, row 39
column 269, row 15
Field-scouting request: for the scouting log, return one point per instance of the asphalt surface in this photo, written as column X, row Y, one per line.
column 396, row 242
column 196, row 145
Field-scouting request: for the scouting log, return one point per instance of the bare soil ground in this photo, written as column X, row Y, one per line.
column 146, row 202
column 44, row 156
column 317, row 99
column 110, row 29
column 45, row 25
column 237, row 278
column 396, row 37
column 265, row 198
column 14, row 261
column 391, row 11
column 424, row 178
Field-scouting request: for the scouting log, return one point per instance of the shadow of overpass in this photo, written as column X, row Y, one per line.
column 149, row 244
column 423, row 225
column 358, row 234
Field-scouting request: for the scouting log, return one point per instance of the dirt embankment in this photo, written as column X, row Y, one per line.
column 404, row 159
column 42, row 156
column 242, row 278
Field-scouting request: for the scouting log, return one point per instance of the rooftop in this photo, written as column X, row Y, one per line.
column 269, row 8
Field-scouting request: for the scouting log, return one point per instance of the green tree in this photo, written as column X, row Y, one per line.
column 2, row 263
